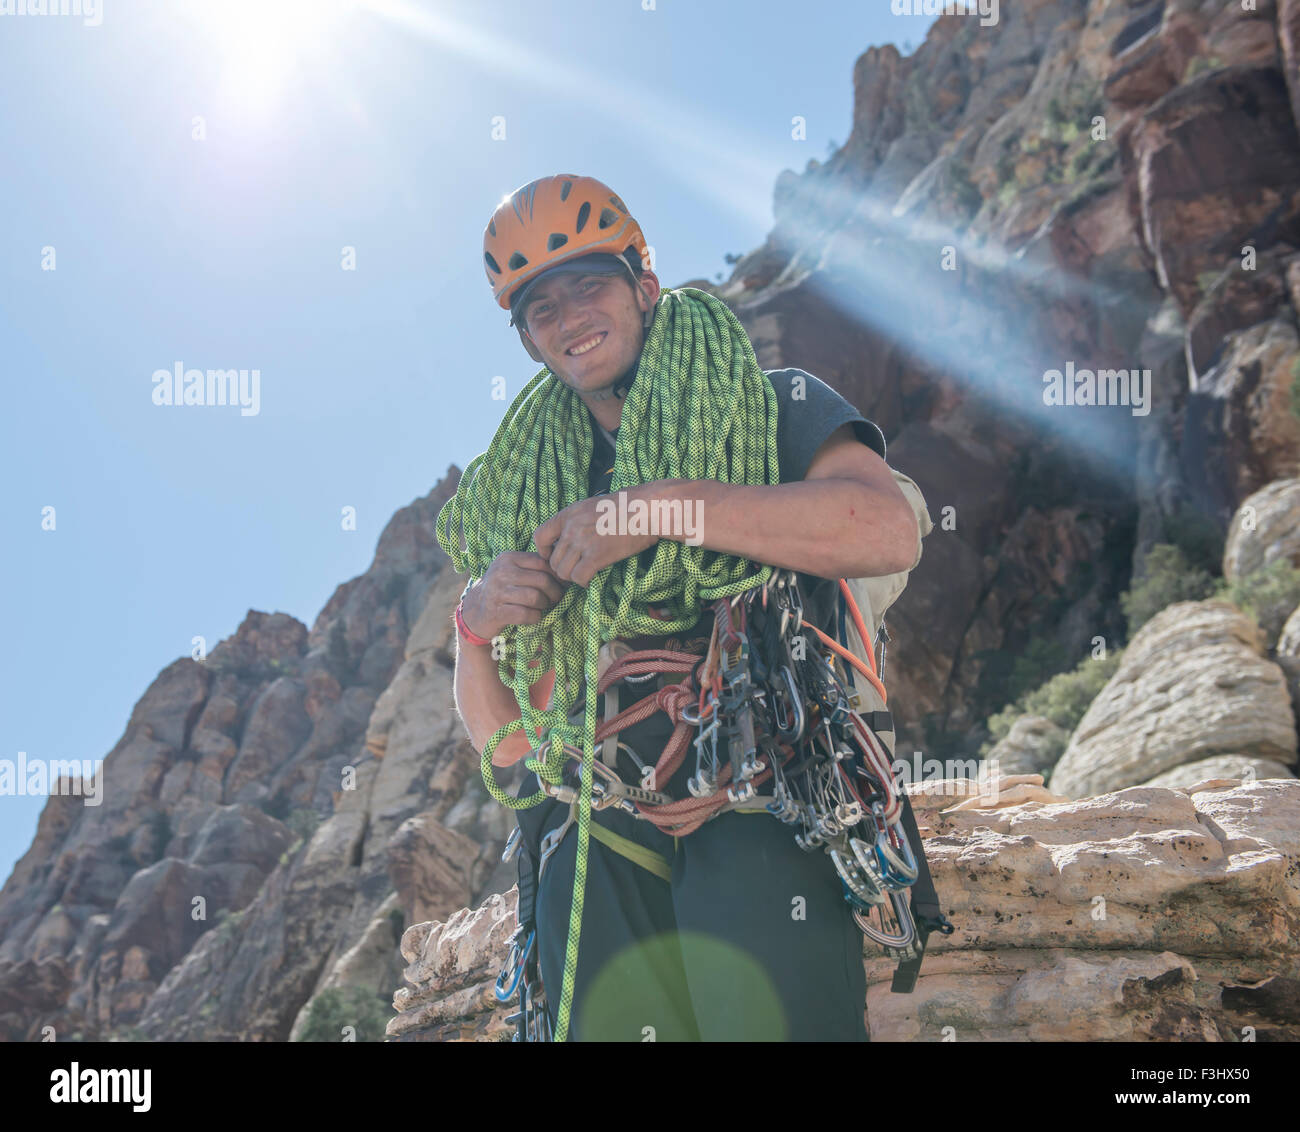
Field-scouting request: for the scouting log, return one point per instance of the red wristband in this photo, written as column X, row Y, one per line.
column 464, row 630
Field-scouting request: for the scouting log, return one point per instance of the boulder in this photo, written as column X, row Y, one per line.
column 1194, row 682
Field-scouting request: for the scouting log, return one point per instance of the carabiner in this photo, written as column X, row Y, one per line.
column 514, row 962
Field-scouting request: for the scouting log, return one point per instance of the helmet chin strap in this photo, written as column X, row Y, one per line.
column 620, row 387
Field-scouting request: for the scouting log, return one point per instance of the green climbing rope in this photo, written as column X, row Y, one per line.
column 700, row 408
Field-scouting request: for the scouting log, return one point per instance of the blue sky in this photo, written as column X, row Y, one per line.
column 324, row 125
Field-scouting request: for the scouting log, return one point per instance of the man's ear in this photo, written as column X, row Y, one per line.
column 648, row 309
column 530, row 345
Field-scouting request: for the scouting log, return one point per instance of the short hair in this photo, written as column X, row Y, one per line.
column 629, row 254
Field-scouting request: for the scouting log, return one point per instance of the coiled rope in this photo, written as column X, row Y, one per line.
column 700, row 408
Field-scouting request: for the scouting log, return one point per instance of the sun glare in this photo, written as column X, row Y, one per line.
column 261, row 45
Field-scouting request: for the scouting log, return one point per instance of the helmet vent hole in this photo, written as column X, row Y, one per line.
column 564, row 191
column 492, row 227
column 517, row 261
column 492, row 264
column 608, row 217
column 618, row 204
column 556, row 240
column 583, row 213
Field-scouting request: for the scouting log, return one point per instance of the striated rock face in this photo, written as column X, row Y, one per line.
column 1109, row 185
column 453, row 967
column 1033, row 745
column 1193, row 683
column 241, row 850
column 1267, row 529
column 1226, row 768
column 1144, row 914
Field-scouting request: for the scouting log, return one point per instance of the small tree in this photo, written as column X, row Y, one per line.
column 1167, row 577
column 337, row 1008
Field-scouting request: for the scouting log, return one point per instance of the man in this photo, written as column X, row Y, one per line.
column 731, row 932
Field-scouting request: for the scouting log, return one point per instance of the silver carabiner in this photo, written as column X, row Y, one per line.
column 859, row 885
column 902, row 863
column 906, row 925
column 551, row 842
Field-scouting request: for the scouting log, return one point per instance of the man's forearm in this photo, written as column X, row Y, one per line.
column 486, row 705
column 831, row 528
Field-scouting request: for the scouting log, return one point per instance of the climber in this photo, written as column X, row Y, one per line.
column 732, row 932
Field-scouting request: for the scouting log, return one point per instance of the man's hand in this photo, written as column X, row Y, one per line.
column 576, row 550
column 518, row 589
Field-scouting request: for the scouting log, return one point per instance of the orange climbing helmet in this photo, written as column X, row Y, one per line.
column 550, row 221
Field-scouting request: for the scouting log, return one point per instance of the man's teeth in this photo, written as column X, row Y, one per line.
column 590, row 344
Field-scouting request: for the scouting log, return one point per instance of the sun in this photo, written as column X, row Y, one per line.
column 261, row 45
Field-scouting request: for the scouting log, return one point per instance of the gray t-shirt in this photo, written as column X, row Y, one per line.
column 808, row 411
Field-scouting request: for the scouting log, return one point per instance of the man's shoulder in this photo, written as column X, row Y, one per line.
column 795, row 384
column 797, row 387
column 788, row 376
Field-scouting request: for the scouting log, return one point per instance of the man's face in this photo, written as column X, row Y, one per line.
column 573, row 310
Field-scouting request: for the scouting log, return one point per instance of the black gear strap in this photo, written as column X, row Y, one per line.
column 926, row 912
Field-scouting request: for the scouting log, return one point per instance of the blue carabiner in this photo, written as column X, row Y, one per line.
column 519, row 959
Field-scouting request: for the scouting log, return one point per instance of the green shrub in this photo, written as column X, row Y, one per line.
column 1044, row 656
column 277, row 806
column 1197, row 535
column 1063, row 699
column 1006, row 168
column 964, row 190
column 1269, row 594
column 1166, row 577
column 337, row 1007
column 1199, row 64
column 226, row 923
column 1082, row 159
column 303, row 821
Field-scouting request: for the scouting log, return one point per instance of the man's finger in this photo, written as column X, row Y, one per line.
column 532, row 596
column 540, row 578
column 545, row 537
column 565, row 560
column 531, row 561
column 521, row 614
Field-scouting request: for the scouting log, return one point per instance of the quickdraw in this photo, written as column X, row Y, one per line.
column 521, row 975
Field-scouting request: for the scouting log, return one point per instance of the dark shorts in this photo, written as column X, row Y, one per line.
column 750, row 940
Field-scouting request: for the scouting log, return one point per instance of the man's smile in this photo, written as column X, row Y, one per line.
column 586, row 345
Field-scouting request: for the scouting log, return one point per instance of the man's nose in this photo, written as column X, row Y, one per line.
column 570, row 306
column 565, row 306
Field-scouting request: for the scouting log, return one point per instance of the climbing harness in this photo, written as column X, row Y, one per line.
column 769, row 705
